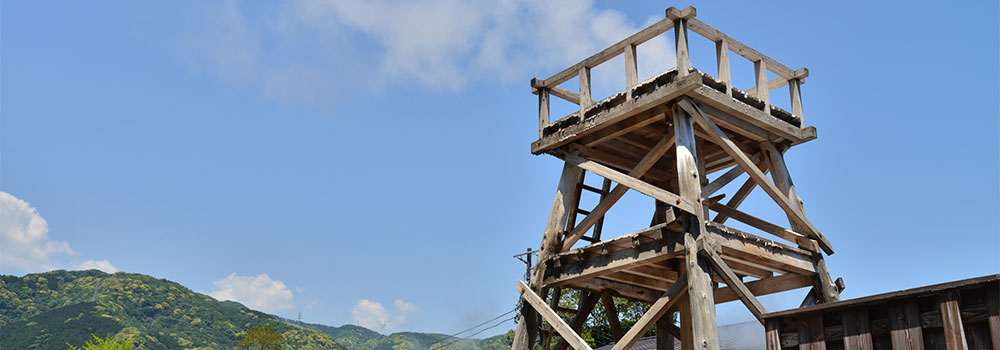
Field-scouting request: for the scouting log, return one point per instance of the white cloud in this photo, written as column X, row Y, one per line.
column 306, row 49
column 258, row 292
column 102, row 265
column 372, row 315
column 24, row 238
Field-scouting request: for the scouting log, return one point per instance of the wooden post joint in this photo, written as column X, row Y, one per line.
column 687, row 13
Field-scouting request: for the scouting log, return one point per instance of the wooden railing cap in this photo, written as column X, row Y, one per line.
column 801, row 73
column 687, row 13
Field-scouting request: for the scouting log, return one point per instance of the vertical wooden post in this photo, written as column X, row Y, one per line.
column 584, row 77
column 810, row 330
column 687, row 339
column 760, row 69
column 857, row 335
column 543, row 111
column 779, row 173
column 722, row 60
column 664, row 340
column 681, row 47
column 554, row 305
column 700, row 291
column 795, row 93
column 993, row 313
column 904, row 326
column 526, row 331
column 631, row 70
column 951, row 319
column 772, row 334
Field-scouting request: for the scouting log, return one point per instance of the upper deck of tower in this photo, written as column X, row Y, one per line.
column 630, row 116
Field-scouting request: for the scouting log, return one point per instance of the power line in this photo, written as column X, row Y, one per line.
column 473, row 327
column 476, row 333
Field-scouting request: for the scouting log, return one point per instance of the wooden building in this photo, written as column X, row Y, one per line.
column 679, row 138
column 957, row 315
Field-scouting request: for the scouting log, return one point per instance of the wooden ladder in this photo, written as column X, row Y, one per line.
column 571, row 223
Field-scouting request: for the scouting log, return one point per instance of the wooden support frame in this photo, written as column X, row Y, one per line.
column 612, row 312
column 721, row 139
column 619, row 190
column 586, row 306
column 551, row 317
column 643, row 187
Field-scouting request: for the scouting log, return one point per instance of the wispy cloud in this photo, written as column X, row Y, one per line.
column 258, row 292
column 309, row 50
column 372, row 315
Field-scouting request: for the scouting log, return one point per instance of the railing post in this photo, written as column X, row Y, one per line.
column 631, row 70
column 722, row 61
column 543, row 111
column 680, row 18
column 760, row 68
column 796, row 96
column 585, row 100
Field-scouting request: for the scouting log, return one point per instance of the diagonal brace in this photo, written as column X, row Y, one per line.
column 633, row 183
column 732, row 280
column 656, row 311
column 557, row 322
column 605, row 204
column 722, row 140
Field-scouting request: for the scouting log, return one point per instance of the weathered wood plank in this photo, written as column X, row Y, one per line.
column 543, row 111
column 654, row 313
column 681, row 47
column 650, row 252
column 721, row 181
column 587, row 304
column 722, row 63
column 857, row 335
column 772, row 334
column 951, row 319
column 904, row 326
column 612, row 312
column 752, row 115
column 765, row 226
column 564, row 94
column 810, row 329
column 633, row 183
column 993, row 312
column 557, row 322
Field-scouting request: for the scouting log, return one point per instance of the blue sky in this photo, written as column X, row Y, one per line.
column 367, row 161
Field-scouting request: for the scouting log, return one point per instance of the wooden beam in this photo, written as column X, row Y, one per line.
column 618, row 192
column 645, row 253
column 585, row 100
column 740, row 195
column 951, row 319
column 654, row 313
column 765, row 286
column 564, row 94
column 612, row 313
column 739, row 47
column 768, row 227
column 765, row 121
column 721, row 181
column 733, row 281
column 720, row 138
column 614, row 50
column 857, row 335
column 557, row 322
column 664, row 339
column 633, row 183
column 631, row 70
column 795, row 94
column 543, row 111
column 762, row 92
column 681, row 47
column 772, row 334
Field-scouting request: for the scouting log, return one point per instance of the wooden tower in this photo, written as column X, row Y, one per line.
column 679, row 138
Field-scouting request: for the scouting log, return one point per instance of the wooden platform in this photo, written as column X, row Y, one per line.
column 644, row 264
column 956, row 315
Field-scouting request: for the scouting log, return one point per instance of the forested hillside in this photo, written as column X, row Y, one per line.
column 49, row 310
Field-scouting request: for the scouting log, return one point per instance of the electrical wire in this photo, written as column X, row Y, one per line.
column 474, row 334
column 472, row 328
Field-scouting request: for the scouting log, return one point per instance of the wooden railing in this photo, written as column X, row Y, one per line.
column 680, row 21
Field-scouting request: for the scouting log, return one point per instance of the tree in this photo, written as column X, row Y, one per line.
column 261, row 338
column 105, row 344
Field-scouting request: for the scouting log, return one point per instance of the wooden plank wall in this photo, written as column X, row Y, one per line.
column 963, row 317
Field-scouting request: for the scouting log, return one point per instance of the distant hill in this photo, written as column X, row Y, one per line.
column 48, row 310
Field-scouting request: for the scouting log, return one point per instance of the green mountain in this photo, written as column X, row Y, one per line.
column 49, row 310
